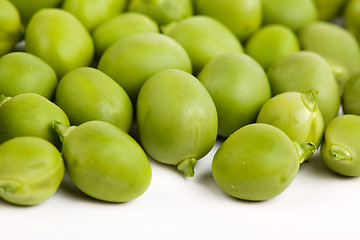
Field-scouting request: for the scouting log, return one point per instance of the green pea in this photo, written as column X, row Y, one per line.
column 302, row 71
column 104, row 162
column 256, row 163
column 31, row 170
column 22, row 72
column 242, row 17
column 294, row 14
column 335, row 44
column 203, row 38
column 88, row 94
column 329, row 9
column 177, row 119
column 351, row 17
column 28, row 8
column 239, row 87
column 11, row 29
column 340, row 149
column 59, row 38
column 162, row 11
column 92, row 13
column 351, row 95
column 296, row 114
column 29, row 114
column 133, row 59
column 270, row 43
column 125, row 24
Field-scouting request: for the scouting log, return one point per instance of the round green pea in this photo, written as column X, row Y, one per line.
column 351, row 95
column 22, row 72
column 29, row 114
column 294, row 14
column 11, row 28
column 270, row 43
column 203, row 38
column 242, row 17
column 302, row 71
column 296, row 114
column 335, row 44
column 58, row 37
column 92, row 13
column 31, row 170
column 329, row 9
column 131, row 60
column 104, row 162
column 162, row 11
column 177, row 119
column 239, row 87
column 351, row 17
column 256, row 163
column 88, row 94
column 340, row 149
column 122, row 25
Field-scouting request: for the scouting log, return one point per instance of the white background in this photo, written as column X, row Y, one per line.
column 319, row 204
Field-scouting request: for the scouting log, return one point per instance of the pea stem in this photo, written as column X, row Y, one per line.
column 305, row 150
column 310, row 100
column 187, row 166
column 61, row 129
column 8, row 186
column 340, row 153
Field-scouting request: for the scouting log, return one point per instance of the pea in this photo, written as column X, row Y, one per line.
column 58, row 38
column 88, row 94
column 162, row 11
column 133, row 59
column 329, row 9
column 351, row 17
column 31, row 170
column 29, row 114
column 294, row 14
column 11, row 29
column 270, row 43
column 242, row 17
column 340, row 149
column 335, row 44
column 302, row 71
column 92, row 13
column 177, row 119
column 122, row 25
column 203, row 38
column 296, row 114
column 351, row 95
column 104, row 162
column 28, row 8
column 22, row 72
column 239, row 87
column 256, row 163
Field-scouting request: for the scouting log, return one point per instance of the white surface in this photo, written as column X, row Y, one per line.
column 317, row 205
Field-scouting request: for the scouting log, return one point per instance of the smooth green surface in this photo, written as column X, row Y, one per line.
column 239, row 87
column 350, row 95
column 176, row 117
column 203, row 38
column 303, row 71
column 340, row 149
column 297, row 114
column 120, row 26
column 242, row 17
column 93, row 12
column 30, row 114
column 22, row 72
column 58, row 37
column 88, row 94
column 256, row 163
column 162, row 11
column 11, row 29
column 104, row 162
column 335, row 44
column 270, row 43
column 329, row 9
column 133, row 59
column 351, row 17
column 31, row 170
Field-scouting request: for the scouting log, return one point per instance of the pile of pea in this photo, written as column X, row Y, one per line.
column 96, row 87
